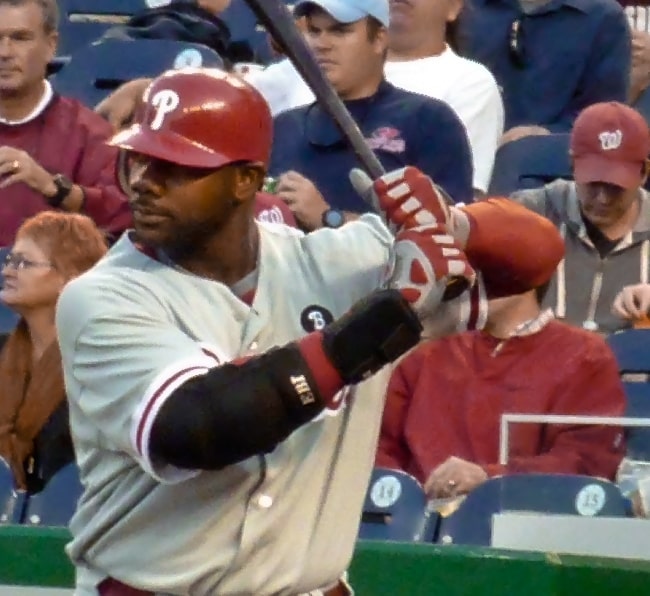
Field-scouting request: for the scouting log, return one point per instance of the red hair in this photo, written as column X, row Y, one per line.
column 72, row 242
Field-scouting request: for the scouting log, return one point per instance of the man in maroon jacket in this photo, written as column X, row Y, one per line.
column 52, row 151
column 445, row 399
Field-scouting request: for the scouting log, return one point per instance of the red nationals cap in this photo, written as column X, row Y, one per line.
column 610, row 143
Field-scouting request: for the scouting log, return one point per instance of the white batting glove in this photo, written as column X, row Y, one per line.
column 425, row 260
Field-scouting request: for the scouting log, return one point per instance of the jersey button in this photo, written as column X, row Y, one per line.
column 253, row 347
column 265, row 501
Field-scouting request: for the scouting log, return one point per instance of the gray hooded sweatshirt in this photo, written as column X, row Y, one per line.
column 585, row 284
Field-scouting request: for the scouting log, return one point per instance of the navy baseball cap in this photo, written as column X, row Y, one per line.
column 347, row 11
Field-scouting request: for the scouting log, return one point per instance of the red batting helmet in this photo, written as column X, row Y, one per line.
column 204, row 118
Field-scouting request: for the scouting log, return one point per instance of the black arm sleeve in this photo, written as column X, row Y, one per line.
column 235, row 411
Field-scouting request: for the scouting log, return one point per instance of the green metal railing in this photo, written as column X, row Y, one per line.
column 34, row 557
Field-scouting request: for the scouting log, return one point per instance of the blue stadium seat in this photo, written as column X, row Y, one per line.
column 244, row 30
column 396, row 509
column 12, row 502
column 565, row 494
column 84, row 21
column 529, row 163
column 632, row 350
column 56, row 503
column 97, row 70
column 638, row 406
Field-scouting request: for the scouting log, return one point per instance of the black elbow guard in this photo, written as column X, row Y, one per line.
column 234, row 411
column 239, row 410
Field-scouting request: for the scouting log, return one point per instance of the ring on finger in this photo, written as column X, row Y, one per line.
column 15, row 165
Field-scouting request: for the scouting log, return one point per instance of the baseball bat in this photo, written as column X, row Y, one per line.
column 278, row 20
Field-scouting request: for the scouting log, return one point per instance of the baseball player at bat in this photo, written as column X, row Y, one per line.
column 225, row 376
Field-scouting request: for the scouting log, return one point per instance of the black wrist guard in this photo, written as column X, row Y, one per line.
column 375, row 331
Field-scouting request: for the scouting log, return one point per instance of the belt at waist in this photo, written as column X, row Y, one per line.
column 112, row 587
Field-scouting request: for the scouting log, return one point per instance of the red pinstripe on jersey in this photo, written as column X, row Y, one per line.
column 161, row 394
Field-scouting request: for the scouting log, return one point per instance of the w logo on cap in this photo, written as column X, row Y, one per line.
column 610, row 140
column 165, row 102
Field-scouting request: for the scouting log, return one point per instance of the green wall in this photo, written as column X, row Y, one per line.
column 35, row 557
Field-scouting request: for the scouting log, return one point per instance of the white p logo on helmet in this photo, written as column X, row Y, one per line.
column 165, row 101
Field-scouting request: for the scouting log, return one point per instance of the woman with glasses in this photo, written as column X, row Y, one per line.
column 50, row 249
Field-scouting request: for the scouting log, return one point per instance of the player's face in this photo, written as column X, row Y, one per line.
column 349, row 57
column 605, row 204
column 30, row 280
column 179, row 208
column 25, row 48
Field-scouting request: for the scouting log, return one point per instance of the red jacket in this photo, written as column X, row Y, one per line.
column 66, row 138
column 447, row 396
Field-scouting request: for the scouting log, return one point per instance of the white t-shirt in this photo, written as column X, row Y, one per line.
column 467, row 86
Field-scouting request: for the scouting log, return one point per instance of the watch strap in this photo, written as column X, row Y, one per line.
column 63, row 189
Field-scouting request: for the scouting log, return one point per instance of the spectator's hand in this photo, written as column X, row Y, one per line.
column 632, row 302
column 407, row 198
column 303, row 198
column 118, row 108
column 18, row 166
column 640, row 74
column 455, row 476
column 519, row 132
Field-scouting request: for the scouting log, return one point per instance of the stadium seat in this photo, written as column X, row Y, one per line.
column 246, row 35
column 95, row 71
column 84, row 21
column 396, row 509
column 565, row 494
column 632, row 350
column 12, row 502
column 638, row 406
column 530, row 162
column 56, row 503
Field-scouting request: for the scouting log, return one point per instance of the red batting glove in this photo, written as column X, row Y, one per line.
column 426, row 258
column 406, row 198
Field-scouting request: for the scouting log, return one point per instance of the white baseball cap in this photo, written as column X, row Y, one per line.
column 347, row 11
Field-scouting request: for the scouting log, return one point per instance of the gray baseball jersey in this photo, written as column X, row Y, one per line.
column 133, row 329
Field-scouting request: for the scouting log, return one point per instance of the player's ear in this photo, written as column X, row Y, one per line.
column 247, row 180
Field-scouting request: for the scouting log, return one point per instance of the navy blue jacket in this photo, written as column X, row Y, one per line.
column 182, row 20
column 403, row 129
column 552, row 63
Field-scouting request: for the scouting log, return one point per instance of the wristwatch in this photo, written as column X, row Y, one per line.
column 63, row 187
column 333, row 218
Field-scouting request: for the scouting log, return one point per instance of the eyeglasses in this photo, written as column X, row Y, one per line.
column 19, row 262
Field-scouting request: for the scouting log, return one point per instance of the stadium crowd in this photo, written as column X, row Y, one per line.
column 449, row 87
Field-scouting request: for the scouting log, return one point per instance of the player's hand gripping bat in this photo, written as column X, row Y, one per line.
column 275, row 16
